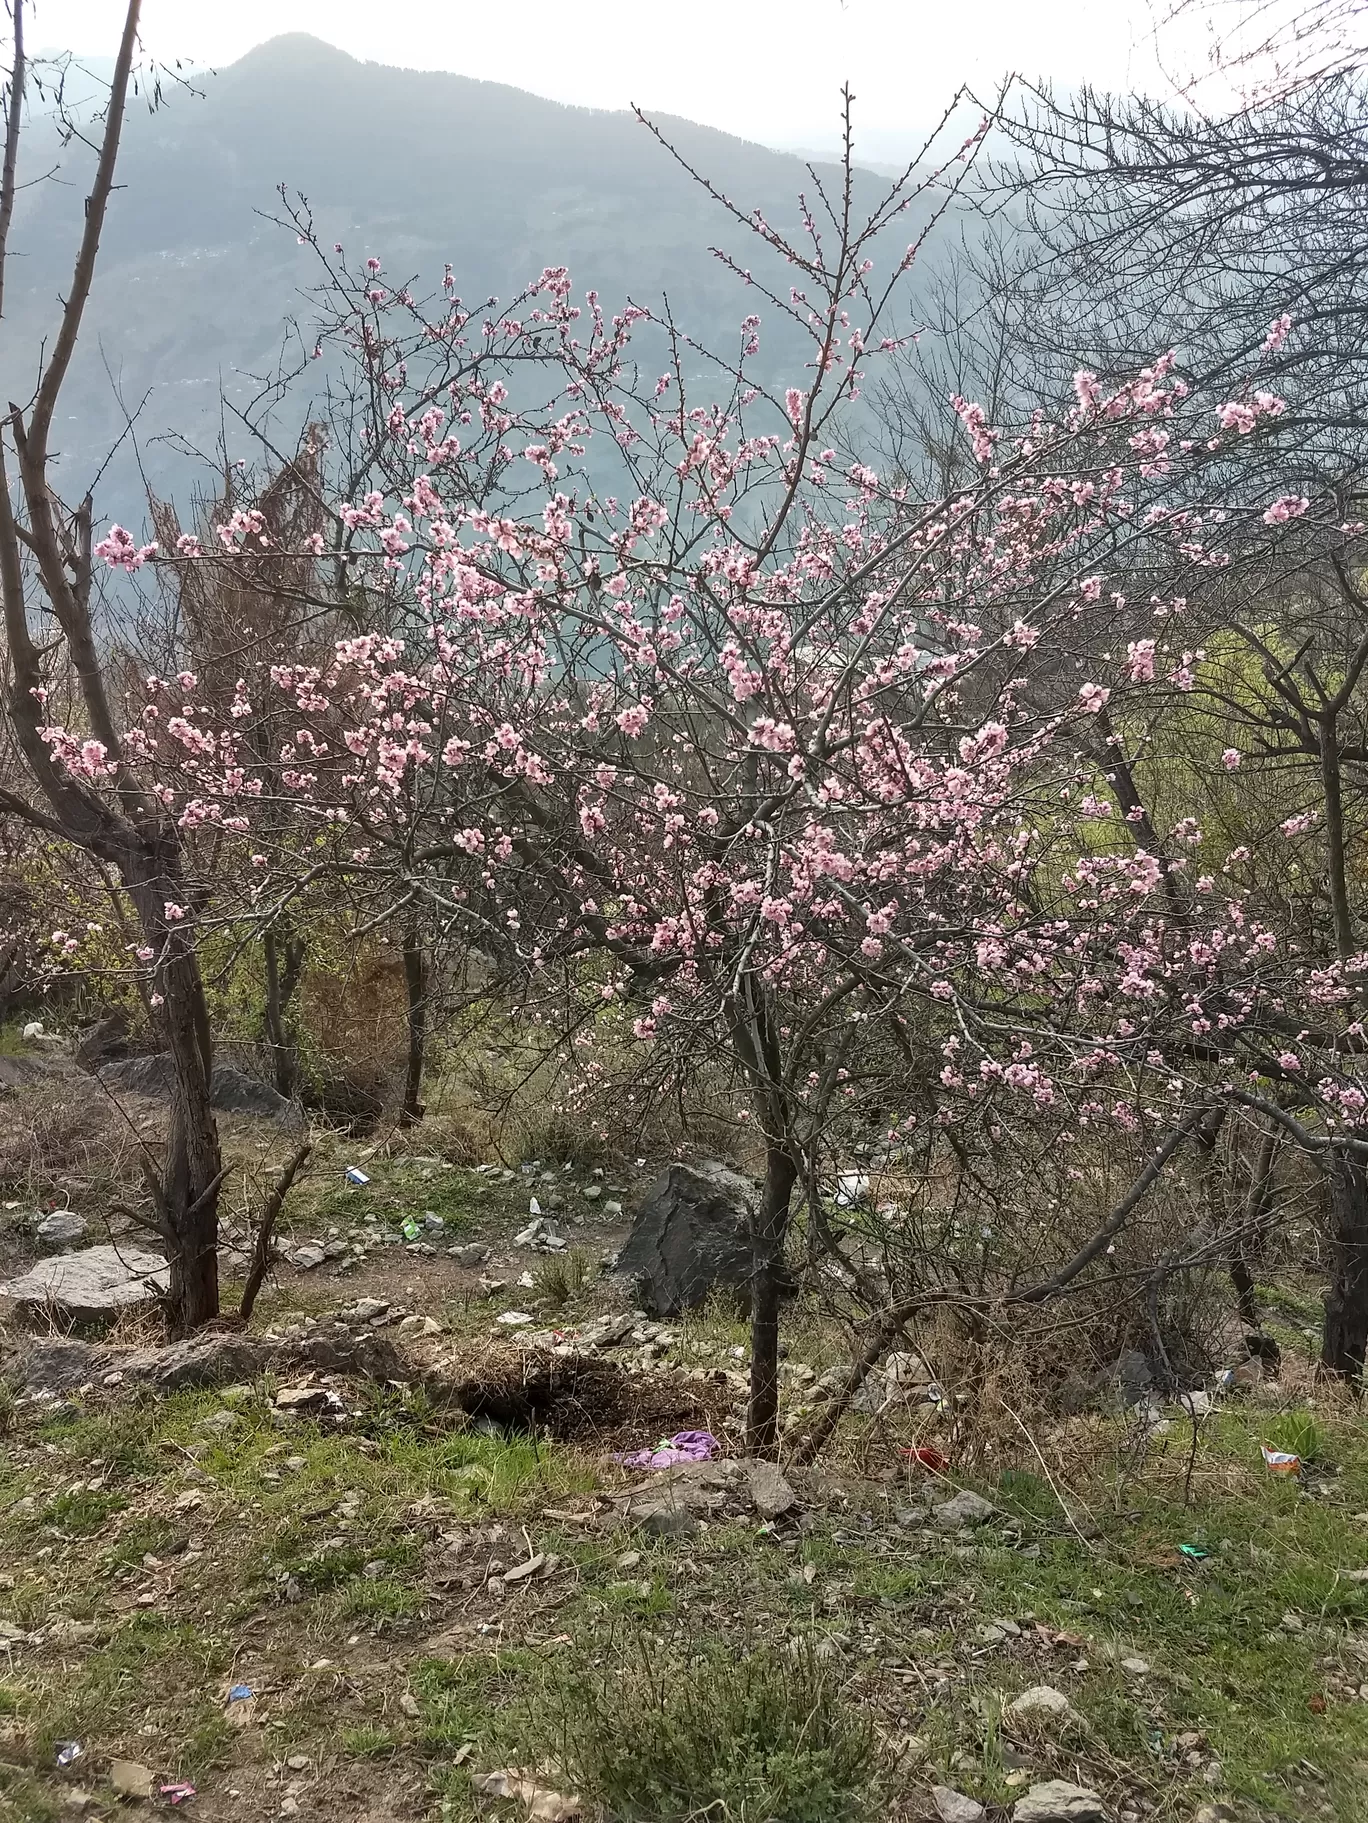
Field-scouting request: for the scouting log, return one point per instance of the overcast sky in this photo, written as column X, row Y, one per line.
column 767, row 69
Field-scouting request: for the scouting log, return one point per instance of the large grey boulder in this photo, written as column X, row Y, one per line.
column 231, row 1091
column 691, row 1238
column 95, row 1283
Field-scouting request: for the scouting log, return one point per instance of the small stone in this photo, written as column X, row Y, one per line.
column 63, row 1631
column 1291, row 1623
column 130, row 1779
column 298, row 1762
column 1041, row 1703
column 295, row 1401
column 1056, row 1801
column 471, row 1257
column 666, row 1521
column 306, row 1258
column 771, row 1493
column 954, row 1806
column 966, row 1508
column 408, row 1703
column 219, row 1422
column 592, row 1192
column 365, row 1310
column 522, row 1572
column 629, row 1560
column 1138, row 1667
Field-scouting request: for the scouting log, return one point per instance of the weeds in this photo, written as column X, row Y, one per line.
column 764, row 1738
column 563, row 1276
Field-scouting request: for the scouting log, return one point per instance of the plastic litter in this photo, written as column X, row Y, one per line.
column 1195, row 1551
column 355, row 1175
column 513, row 1319
column 411, row 1228
column 684, row 1446
column 533, row 1206
column 178, row 1794
column 928, row 1457
column 1280, row 1462
column 240, row 1693
column 67, row 1751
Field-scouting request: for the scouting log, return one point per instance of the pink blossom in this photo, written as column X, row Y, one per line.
column 121, row 551
column 1278, row 331
column 1092, row 698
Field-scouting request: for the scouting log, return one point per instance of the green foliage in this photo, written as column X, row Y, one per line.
column 1300, row 1435
column 83, row 1512
column 762, row 1739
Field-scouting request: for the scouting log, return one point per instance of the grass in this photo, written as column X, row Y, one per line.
column 765, row 1673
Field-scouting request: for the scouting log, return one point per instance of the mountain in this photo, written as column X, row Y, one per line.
column 195, row 285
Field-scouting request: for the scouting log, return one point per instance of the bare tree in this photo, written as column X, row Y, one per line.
column 46, row 576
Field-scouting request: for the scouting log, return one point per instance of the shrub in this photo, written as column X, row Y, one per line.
column 765, row 1739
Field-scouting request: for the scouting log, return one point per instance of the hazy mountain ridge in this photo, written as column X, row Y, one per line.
column 194, row 285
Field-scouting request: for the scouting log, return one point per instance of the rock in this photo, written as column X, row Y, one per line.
column 63, row 1228
column 1214, row 1813
column 471, row 1257
column 1134, row 1376
column 408, row 1704
column 104, row 1041
column 231, row 1091
column 94, row 1283
column 1138, row 1667
column 299, row 1401
column 966, row 1508
column 307, row 1257
column 607, row 1332
column 219, row 1422
column 665, row 1519
column 364, row 1310
column 63, row 1631
column 522, row 1572
column 1041, row 1703
column 130, row 1779
column 954, row 1806
column 769, row 1490
column 420, row 1326
column 691, row 1237
column 540, row 1236
column 1056, row 1801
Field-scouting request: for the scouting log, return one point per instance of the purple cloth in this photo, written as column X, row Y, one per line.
column 684, row 1446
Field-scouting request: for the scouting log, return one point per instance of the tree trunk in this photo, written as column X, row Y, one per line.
column 1251, row 1236
column 416, row 991
column 193, row 1168
column 767, row 1288
column 281, row 983
column 1346, row 1300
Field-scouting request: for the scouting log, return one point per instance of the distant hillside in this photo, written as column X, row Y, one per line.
column 194, row 285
